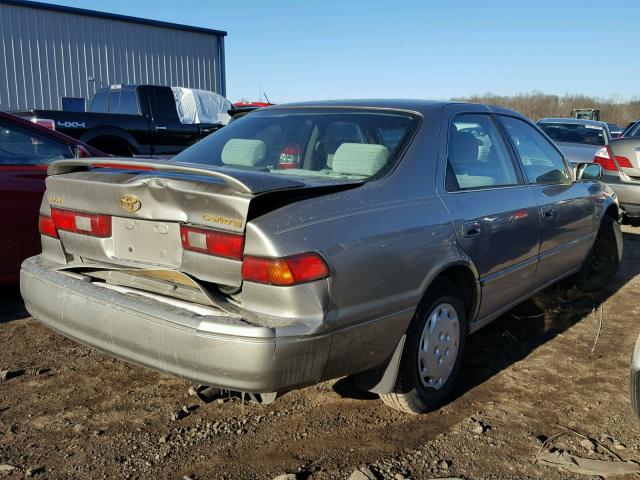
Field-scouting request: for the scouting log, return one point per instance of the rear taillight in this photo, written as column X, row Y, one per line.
column 302, row 268
column 47, row 227
column 93, row 224
column 604, row 158
column 44, row 122
column 623, row 161
column 289, row 157
column 212, row 242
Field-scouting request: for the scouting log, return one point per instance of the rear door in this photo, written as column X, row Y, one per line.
column 566, row 208
column 169, row 135
column 24, row 155
column 493, row 211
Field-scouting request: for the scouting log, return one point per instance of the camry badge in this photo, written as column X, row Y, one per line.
column 130, row 202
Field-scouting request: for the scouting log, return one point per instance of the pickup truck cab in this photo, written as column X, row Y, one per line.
column 141, row 120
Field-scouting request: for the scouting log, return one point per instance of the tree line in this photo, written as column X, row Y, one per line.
column 536, row 105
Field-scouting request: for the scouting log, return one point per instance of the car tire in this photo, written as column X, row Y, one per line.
column 420, row 388
column 604, row 258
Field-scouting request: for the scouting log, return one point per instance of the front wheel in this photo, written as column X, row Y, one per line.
column 604, row 258
column 432, row 353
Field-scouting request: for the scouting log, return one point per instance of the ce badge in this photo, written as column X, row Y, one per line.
column 130, row 202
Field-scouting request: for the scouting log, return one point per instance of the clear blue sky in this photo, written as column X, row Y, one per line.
column 321, row 49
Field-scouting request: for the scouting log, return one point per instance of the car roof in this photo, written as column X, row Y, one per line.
column 415, row 105
column 576, row 121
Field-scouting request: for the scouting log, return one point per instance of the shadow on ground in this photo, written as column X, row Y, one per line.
column 11, row 304
column 513, row 336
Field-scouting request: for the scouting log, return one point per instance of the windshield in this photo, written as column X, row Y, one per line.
column 321, row 142
column 574, row 133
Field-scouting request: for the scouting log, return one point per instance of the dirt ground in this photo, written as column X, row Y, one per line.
column 69, row 412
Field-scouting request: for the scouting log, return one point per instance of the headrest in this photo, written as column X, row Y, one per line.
column 463, row 148
column 243, row 152
column 359, row 159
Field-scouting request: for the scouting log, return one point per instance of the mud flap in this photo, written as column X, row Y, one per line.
column 382, row 379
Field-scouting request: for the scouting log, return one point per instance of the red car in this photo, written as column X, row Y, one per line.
column 25, row 151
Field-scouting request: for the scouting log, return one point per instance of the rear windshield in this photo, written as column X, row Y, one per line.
column 324, row 143
column 634, row 131
column 574, row 133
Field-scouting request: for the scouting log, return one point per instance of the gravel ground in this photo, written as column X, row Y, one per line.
column 67, row 411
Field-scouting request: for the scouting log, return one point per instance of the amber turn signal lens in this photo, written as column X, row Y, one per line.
column 293, row 270
column 47, row 227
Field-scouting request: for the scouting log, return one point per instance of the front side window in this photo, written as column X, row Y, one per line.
column 476, row 155
column 541, row 161
column 164, row 106
column 315, row 142
column 19, row 146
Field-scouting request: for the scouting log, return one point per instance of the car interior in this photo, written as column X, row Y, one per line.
column 476, row 160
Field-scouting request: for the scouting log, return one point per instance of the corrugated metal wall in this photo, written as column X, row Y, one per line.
column 46, row 55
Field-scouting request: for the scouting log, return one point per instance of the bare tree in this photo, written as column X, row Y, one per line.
column 536, row 105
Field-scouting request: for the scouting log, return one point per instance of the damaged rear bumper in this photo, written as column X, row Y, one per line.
column 199, row 344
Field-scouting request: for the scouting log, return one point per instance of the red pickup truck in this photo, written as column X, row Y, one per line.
column 25, row 151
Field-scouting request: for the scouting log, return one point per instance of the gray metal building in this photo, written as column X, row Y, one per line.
column 48, row 52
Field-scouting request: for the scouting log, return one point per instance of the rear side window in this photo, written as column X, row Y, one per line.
column 99, row 103
column 634, row 131
column 541, row 161
column 476, row 155
column 129, row 103
column 114, row 102
column 20, row 146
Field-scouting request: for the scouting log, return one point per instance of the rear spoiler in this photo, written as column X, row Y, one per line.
column 247, row 182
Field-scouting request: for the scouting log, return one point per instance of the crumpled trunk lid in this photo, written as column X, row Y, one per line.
column 630, row 149
column 149, row 202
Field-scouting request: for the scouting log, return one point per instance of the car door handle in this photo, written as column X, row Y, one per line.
column 160, row 128
column 548, row 213
column 471, row 229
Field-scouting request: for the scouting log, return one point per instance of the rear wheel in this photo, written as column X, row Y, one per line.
column 604, row 259
column 432, row 353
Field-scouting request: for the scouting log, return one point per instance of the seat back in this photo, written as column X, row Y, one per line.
column 244, row 152
column 360, row 159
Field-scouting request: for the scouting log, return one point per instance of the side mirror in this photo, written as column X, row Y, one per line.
column 588, row 171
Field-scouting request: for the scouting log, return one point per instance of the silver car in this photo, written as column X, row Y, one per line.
column 620, row 161
column 578, row 139
column 311, row 241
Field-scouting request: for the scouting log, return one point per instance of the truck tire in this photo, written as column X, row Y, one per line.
column 604, row 258
column 113, row 145
column 432, row 353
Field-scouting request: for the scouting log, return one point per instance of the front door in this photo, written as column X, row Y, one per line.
column 566, row 208
column 493, row 210
column 169, row 135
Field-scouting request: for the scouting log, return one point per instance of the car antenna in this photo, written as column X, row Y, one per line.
column 267, row 98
